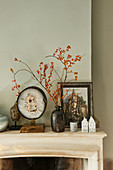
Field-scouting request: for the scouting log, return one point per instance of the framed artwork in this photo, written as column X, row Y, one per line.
column 77, row 101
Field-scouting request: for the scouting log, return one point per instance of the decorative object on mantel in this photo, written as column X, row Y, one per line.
column 57, row 120
column 67, row 63
column 44, row 78
column 78, row 103
column 4, row 122
column 31, row 104
column 73, row 126
column 15, row 116
column 92, row 125
column 85, row 125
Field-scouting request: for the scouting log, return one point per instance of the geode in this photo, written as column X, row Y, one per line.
column 3, row 122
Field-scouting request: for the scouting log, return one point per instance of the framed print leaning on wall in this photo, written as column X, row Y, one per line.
column 77, row 101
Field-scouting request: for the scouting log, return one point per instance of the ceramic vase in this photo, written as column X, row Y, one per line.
column 57, row 120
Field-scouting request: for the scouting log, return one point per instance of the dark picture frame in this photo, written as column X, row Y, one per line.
column 80, row 93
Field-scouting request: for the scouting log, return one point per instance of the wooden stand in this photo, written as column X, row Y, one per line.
column 32, row 127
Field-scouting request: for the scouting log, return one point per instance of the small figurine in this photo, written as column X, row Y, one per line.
column 15, row 115
column 84, row 125
column 92, row 125
column 31, row 103
column 74, row 109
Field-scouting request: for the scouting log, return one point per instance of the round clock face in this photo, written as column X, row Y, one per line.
column 32, row 102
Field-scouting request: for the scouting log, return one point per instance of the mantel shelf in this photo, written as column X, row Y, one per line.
column 50, row 144
column 48, row 132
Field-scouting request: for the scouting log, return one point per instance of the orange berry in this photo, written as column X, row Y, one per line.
column 38, row 71
column 63, row 97
column 15, row 59
column 52, row 63
column 75, row 78
column 11, row 70
column 69, row 56
column 13, row 80
column 40, row 68
column 69, row 66
column 68, row 47
column 64, row 68
column 75, row 72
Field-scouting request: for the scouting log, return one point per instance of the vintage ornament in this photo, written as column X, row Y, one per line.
column 84, row 125
column 31, row 104
column 73, row 126
column 15, row 115
column 92, row 125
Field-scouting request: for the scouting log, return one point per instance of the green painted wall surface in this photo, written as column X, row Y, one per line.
column 32, row 29
column 103, row 72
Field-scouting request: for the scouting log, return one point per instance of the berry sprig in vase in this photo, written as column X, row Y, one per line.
column 44, row 76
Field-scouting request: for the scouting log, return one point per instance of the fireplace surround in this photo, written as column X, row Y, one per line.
column 88, row 146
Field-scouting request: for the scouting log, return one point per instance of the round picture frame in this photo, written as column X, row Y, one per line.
column 32, row 103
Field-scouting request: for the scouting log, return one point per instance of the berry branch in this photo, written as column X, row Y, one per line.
column 45, row 72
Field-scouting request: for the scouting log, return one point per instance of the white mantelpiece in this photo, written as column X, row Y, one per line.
column 50, row 144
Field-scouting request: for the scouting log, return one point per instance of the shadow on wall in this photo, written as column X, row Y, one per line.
column 7, row 99
column 108, row 164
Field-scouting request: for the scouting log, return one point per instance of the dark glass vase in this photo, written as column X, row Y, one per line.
column 57, row 120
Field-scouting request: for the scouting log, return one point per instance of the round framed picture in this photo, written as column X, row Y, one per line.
column 32, row 103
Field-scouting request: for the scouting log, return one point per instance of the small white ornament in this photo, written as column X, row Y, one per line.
column 92, row 125
column 84, row 125
column 73, row 126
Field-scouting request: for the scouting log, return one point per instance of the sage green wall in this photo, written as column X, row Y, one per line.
column 32, row 29
column 103, row 70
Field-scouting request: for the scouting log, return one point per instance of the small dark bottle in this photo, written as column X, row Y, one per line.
column 57, row 120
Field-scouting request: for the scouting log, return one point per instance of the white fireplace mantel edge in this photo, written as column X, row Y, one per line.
column 49, row 144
